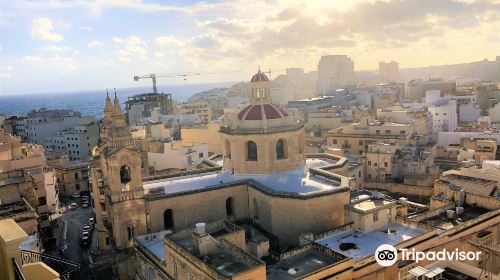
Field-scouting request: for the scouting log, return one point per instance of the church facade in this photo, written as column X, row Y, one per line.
column 263, row 178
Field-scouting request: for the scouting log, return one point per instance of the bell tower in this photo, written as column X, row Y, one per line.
column 117, row 171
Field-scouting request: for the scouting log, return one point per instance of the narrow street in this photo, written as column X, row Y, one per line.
column 69, row 231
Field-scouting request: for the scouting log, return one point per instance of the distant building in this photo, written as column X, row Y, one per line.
column 77, row 142
column 417, row 88
column 334, row 71
column 200, row 110
column 142, row 108
column 72, row 177
column 389, row 71
column 444, row 117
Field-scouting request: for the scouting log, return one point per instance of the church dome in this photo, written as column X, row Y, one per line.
column 259, row 77
column 262, row 111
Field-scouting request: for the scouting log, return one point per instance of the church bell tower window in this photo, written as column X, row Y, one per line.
column 125, row 178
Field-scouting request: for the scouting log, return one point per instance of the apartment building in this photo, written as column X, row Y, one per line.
column 201, row 110
column 76, row 142
column 72, row 177
column 354, row 138
column 145, row 107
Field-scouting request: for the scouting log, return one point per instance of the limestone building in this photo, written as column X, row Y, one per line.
column 263, row 180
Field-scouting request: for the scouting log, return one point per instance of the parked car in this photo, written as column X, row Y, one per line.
column 85, row 205
column 85, row 240
column 91, row 221
column 73, row 206
column 84, row 198
column 85, row 234
column 86, row 227
column 76, row 195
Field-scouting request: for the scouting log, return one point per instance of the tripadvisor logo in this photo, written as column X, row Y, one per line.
column 387, row 255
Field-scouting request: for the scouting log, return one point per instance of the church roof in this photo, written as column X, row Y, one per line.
column 259, row 77
column 262, row 111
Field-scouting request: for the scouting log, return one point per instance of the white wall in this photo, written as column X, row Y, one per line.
column 444, row 117
column 177, row 159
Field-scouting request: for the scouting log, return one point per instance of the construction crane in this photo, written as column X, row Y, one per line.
column 173, row 75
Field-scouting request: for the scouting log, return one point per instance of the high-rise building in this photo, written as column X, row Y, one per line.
column 388, row 71
column 334, row 71
column 141, row 108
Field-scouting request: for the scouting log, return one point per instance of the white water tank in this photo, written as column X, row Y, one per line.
column 403, row 200
column 200, row 228
column 450, row 214
column 459, row 210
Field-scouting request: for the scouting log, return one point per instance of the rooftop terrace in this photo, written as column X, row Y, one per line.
column 442, row 221
column 301, row 181
column 359, row 245
column 299, row 265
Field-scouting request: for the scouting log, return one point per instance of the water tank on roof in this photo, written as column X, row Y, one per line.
column 450, row 214
column 200, row 228
column 403, row 200
column 459, row 210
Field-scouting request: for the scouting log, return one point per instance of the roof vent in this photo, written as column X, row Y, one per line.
column 200, row 228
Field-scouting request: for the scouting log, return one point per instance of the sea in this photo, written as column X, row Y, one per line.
column 91, row 102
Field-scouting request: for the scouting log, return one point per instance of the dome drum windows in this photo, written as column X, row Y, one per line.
column 281, row 149
column 251, row 151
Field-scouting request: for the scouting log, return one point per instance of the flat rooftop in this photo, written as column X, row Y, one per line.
column 364, row 244
column 299, row 181
column 369, row 204
column 72, row 165
column 299, row 265
column 227, row 263
column 12, row 180
column 154, row 244
column 442, row 220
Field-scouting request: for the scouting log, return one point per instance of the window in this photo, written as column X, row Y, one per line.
column 251, row 150
column 402, row 132
column 125, row 178
column 229, row 207
column 130, row 233
column 168, row 219
column 375, row 216
column 377, row 131
column 334, row 141
column 369, row 162
column 280, row 149
column 385, row 163
column 228, row 149
column 360, row 142
column 255, row 209
column 77, row 187
column 200, row 155
column 107, row 240
column 76, row 176
column 103, row 206
column 387, row 132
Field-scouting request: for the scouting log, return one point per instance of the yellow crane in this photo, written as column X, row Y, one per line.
column 173, row 75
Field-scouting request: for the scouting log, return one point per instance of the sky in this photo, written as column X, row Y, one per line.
column 70, row 45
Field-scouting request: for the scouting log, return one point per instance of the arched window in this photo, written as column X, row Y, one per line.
column 228, row 149
column 125, row 178
column 280, row 149
column 255, row 209
column 168, row 219
column 230, row 207
column 251, row 150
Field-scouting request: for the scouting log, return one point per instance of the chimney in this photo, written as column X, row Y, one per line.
column 204, row 244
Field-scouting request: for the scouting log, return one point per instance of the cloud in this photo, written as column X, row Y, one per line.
column 32, row 58
column 95, row 44
column 54, row 48
column 7, row 72
column 42, row 29
column 86, row 28
column 168, row 41
column 131, row 48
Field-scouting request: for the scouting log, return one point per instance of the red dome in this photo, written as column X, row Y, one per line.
column 258, row 112
column 259, row 77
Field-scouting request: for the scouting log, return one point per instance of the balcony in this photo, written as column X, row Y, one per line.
column 67, row 270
